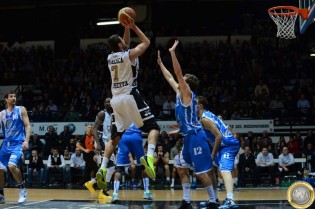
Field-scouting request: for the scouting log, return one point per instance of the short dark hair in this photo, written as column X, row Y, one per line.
column 6, row 95
column 192, row 81
column 202, row 100
column 113, row 42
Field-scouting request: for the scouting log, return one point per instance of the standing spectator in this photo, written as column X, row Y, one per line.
column 286, row 163
column 55, row 165
column 246, row 165
column 77, row 164
column 264, row 164
column 51, row 138
column 35, row 167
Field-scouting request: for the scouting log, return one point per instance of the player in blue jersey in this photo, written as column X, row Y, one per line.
column 130, row 142
column 16, row 129
column 196, row 151
column 225, row 147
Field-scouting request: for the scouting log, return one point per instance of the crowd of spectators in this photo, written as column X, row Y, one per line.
column 247, row 79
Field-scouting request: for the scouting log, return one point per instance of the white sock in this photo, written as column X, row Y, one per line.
column 194, row 179
column 211, row 193
column 116, row 186
column 104, row 162
column 146, row 183
column 173, row 181
column 230, row 195
column 168, row 178
column 235, row 180
column 151, row 149
column 93, row 180
column 186, row 192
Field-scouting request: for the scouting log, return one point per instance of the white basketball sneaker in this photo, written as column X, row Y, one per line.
column 22, row 196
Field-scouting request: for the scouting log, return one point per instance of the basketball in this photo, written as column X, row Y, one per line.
column 125, row 14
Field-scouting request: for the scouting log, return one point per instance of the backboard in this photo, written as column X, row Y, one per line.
column 310, row 6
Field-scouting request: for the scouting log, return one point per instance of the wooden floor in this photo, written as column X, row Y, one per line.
column 11, row 194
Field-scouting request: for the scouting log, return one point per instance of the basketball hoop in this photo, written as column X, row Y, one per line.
column 285, row 17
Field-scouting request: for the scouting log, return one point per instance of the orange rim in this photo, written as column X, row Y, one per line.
column 303, row 12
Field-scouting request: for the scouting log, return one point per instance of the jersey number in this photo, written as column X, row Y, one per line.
column 226, row 155
column 197, row 151
column 115, row 69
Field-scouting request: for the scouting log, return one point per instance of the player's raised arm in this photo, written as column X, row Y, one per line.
column 184, row 87
column 167, row 75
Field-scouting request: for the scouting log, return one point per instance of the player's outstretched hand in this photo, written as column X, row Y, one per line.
column 174, row 46
column 129, row 23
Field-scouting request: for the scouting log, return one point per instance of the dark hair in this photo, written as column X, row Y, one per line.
column 202, row 100
column 6, row 95
column 113, row 42
column 192, row 81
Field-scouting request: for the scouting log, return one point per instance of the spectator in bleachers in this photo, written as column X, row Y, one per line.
column 37, row 144
column 257, row 150
column 51, row 138
column 168, row 108
column 276, row 107
column 35, row 116
column 161, row 163
column 72, row 145
column 159, row 100
column 246, row 165
column 293, row 145
column 303, row 107
column 66, row 154
column 35, row 167
column 55, row 165
column 251, row 140
column 176, row 149
column 309, row 153
column 77, row 164
column 72, row 115
column 310, row 138
column 260, row 88
column 279, row 149
column 286, row 163
column 64, row 138
column 264, row 164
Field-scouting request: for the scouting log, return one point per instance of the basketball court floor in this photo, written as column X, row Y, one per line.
column 258, row 198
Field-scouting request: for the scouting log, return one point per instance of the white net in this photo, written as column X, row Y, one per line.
column 285, row 20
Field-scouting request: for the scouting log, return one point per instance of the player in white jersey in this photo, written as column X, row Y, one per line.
column 127, row 103
column 103, row 117
column 16, row 129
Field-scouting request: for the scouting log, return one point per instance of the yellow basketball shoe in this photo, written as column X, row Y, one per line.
column 148, row 163
column 104, row 197
column 89, row 186
column 100, row 178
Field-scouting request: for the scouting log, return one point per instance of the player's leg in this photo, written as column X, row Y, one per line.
column 4, row 159
column 201, row 157
column 144, row 119
column 228, row 155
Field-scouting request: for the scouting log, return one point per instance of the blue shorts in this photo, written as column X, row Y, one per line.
column 129, row 143
column 10, row 153
column 196, row 151
column 226, row 156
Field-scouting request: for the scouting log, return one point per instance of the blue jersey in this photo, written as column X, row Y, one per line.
column 227, row 136
column 133, row 129
column 13, row 126
column 186, row 116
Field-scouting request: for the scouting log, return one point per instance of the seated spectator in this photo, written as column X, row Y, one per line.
column 55, row 165
column 161, row 163
column 176, row 149
column 36, row 143
column 72, row 115
column 35, row 167
column 168, row 108
column 76, row 164
column 264, row 164
column 309, row 154
column 294, row 145
column 66, row 154
column 286, row 163
column 72, row 145
column 246, row 165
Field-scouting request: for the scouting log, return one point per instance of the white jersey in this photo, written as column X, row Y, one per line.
column 106, row 126
column 123, row 72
